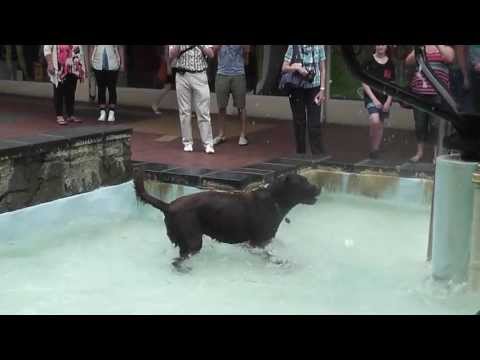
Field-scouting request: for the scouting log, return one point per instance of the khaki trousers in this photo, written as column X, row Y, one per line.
column 193, row 93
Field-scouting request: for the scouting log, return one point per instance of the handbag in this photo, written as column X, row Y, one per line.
column 292, row 80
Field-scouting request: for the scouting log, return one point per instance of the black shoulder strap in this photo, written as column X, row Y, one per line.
column 295, row 53
column 184, row 51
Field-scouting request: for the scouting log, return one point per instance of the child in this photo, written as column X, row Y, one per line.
column 378, row 104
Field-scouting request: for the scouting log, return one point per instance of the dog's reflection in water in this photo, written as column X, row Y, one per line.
column 252, row 218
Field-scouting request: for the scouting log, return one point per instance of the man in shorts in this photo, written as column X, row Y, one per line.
column 231, row 79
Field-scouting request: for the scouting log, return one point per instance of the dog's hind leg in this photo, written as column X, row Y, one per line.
column 188, row 247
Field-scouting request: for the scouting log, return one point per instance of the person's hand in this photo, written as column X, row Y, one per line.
column 50, row 68
column 386, row 107
column 320, row 97
column 298, row 67
column 476, row 67
column 377, row 104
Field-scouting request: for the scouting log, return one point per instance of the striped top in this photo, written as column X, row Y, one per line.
column 421, row 85
column 192, row 60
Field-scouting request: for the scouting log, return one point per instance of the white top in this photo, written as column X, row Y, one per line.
column 113, row 57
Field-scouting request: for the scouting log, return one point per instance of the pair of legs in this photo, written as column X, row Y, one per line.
column 377, row 117
column 193, row 92
column 305, row 109
column 64, row 93
column 107, row 79
column 426, row 128
column 237, row 86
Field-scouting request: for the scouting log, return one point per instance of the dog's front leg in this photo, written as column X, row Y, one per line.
column 260, row 250
column 180, row 266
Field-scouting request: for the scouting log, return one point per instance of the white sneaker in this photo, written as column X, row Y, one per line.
column 155, row 110
column 188, row 148
column 103, row 115
column 111, row 116
column 209, row 149
column 242, row 140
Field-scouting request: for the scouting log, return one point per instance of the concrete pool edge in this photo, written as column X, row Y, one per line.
column 243, row 178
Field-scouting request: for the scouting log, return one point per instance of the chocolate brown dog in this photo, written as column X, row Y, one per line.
column 251, row 217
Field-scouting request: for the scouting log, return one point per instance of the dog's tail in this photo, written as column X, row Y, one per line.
column 143, row 195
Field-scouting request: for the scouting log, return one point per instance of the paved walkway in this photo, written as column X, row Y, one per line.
column 156, row 138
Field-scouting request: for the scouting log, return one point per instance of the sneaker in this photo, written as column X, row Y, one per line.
column 111, row 116
column 188, row 148
column 209, row 149
column 155, row 110
column 103, row 115
column 219, row 139
column 242, row 140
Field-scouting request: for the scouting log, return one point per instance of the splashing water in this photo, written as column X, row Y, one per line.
column 106, row 254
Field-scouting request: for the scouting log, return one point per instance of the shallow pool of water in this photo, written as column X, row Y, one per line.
column 103, row 253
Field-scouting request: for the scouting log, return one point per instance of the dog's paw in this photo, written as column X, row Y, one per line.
column 278, row 262
column 179, row 266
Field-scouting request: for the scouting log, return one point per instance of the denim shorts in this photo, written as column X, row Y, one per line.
column 372, row 109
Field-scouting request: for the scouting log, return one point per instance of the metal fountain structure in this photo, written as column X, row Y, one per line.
column 449, row 254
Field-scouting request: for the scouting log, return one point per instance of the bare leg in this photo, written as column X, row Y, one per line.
column 221, row 122
column 221, row 127
column 419, row 155
column 159, row 100
column 242, row 114
column 376, row 132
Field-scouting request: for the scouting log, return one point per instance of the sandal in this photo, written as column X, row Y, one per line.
column 219, row 139
column 61, row 121
column 74, row 119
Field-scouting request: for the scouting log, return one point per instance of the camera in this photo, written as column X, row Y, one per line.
column 310, row 75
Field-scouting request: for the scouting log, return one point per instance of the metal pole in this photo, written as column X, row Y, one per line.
column 474, row 266
column 430, row 231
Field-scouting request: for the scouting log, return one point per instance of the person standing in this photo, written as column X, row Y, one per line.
column 305, row 100
column 193, row 91
column 107, row 61
column 65, row 66
column 474, row 66
column 378, row 104
column 439, row 58
column 231, row 79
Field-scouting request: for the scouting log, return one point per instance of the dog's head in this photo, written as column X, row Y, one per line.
column 295, row 189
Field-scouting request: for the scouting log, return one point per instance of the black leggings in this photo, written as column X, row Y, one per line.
column 65, row 93
column 426, row 125
column 107, row 79
column 304, row 108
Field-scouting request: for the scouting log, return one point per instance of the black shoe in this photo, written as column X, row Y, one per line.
column 374, row 155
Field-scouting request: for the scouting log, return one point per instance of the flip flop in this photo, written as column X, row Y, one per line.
column 218, row 140
column 62, row 122
column 75, row 120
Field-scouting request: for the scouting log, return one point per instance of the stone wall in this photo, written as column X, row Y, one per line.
column 62, row 163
